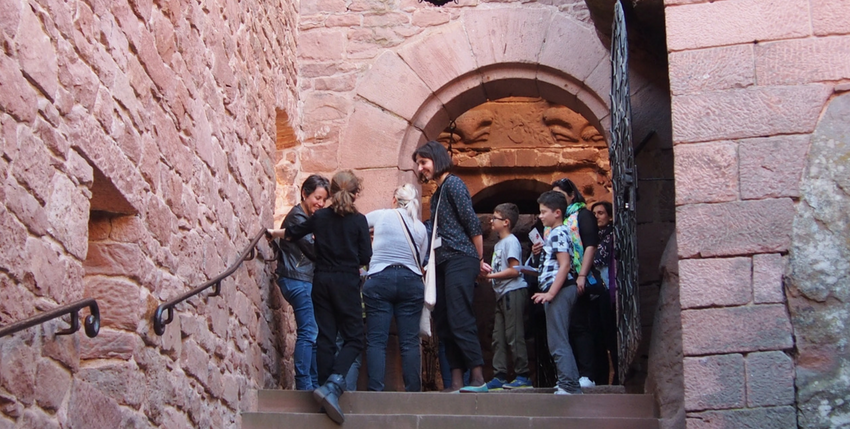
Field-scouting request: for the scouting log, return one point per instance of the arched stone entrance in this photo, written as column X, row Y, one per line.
column 410, row 95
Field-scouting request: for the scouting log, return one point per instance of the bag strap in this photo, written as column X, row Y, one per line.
column 436, row 215
column 410, row 240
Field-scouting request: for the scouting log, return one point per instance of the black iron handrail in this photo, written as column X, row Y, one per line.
column 168, row 307
column 92, row 321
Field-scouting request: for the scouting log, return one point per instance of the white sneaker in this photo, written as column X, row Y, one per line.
column 562, row 392
column 585, row 382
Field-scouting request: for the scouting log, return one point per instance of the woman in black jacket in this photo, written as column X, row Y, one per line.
column 295, row 278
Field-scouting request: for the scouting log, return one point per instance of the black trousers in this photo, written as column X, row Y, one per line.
column 587, row 334
column 453, row 313
column 338, row 310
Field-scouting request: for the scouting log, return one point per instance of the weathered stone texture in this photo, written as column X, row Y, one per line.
column 120, row 297
column 734, row 228
column 711, row 69
column 36, row 53
column 737, row 329
column 706, row 173
column 440, row 47
column 373, row 139
column 831, row 17
column 491, row 35
column 53, row 383
column 715, row 282
column 17, row 97
column 749, row 112
column 714, row 382
column 124, row 382
column 160, row 116
column 768, row 275
column 389, row 67
column 735, row 21
column 819, row 261
column 770, row 379
column 771, row 167
column 380, row 193
column 88, row 408
column 782, row 417
column 803, row 61
column 17, row 374
column 665, row 373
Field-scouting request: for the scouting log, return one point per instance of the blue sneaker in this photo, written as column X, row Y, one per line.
column 519, row 383
column 474, row 389
column 496, row 384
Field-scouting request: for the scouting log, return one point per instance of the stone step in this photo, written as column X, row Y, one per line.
column 511, row 404
column 317, row 420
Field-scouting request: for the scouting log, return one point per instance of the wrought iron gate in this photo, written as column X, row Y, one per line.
column 624, row 179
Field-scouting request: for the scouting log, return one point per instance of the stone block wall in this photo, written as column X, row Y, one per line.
column 346, row 82
column 136, row 148
column 749, row 81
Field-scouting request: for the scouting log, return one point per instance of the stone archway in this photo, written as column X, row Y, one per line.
column 411, row 94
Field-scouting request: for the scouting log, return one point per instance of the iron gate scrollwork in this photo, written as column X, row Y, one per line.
column 624, row 180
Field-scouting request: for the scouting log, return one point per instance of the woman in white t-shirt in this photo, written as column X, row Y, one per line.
column 394, row 287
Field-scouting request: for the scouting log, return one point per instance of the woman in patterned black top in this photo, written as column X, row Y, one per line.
column 459, row 249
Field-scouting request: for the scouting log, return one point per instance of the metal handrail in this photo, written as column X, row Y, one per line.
column 168, row 307
column 92, row 322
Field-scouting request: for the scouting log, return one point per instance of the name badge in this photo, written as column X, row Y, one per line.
column 438, row 242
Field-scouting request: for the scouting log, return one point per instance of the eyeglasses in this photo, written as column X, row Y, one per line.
column 497, row 218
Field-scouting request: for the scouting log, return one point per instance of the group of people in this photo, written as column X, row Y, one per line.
column 324, row 246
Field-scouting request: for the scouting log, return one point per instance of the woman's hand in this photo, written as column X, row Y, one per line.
column 580, row 283
column 275, row 233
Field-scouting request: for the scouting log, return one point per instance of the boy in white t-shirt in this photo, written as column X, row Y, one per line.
column 511, row 300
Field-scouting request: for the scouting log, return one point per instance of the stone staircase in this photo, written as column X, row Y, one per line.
column 538, row 408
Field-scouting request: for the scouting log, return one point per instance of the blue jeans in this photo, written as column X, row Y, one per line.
column 299, row 295
column 393, row 291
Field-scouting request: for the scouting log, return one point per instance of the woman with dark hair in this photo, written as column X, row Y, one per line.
column 604, row 258
column 459, row 251
column 342, row 245
column 584, row 321
column 603, row 261
column 295, row 279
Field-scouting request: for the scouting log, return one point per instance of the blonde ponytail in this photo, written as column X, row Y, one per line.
column 406, row 197
column 344, row 189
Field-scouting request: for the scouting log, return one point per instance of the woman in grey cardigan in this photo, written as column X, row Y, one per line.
column 394, row 287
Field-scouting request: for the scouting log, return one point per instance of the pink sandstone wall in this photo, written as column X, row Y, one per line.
column 749, row 81
column 163, row 111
